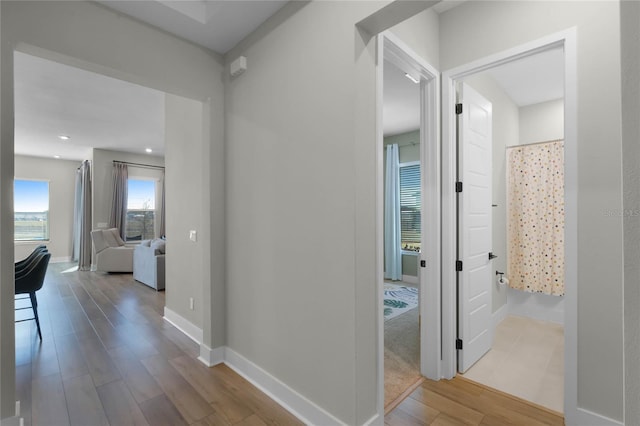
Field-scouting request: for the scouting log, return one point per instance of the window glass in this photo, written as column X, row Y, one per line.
column 31, row 210
column 141, row 205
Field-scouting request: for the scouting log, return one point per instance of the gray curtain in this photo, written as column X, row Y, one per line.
column 118, row 218
column 162, row 220
column 82, row 217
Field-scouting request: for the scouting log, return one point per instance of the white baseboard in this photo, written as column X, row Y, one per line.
column 410, row 279
column 12, row 421
column 375, row 420
column 211, row 357
column 582, row 417
column 191, row 330
column 304, row 409
column 499, row 315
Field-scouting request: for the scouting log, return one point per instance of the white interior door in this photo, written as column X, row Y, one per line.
column 474, row 227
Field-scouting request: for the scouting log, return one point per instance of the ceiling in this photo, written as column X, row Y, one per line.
column 534, row 79
column 216, row 25
column 531, row 80
column 95, row 111
column 401, row 102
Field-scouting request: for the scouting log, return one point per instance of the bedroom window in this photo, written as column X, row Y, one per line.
column 141, row 209
column 410, row 202
column 31, row 210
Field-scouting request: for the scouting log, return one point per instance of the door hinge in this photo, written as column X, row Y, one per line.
column 458, row 265
column 423, row 263
column 458, row 344
column 458, row 186
column 458, row 109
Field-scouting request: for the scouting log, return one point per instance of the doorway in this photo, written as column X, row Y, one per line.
column 521, row 350
column 410, row 342
column 455, row 324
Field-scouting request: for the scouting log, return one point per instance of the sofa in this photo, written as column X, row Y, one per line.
column 148, row 263
column 112, row 255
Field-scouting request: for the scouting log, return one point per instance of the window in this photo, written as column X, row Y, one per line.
column 31, row 210
column 410, row 202
column 141, row 205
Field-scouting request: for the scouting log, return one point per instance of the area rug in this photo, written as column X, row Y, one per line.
column 401, row 355
column 398, row 300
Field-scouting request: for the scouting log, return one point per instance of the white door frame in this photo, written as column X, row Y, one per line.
column 396, row 51
column 567, row 39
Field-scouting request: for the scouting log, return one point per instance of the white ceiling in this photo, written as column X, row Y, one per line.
column 401, row 102
column 95, row 111
column 531, row 80
column 534, row 79
column 217, row 25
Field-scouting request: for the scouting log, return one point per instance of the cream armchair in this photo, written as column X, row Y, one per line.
column 112, row 255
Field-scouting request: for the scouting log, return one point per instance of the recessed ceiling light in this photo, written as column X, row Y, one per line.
column 64, row 137
column 149, row 150
column 412, row 78
column 56, row 156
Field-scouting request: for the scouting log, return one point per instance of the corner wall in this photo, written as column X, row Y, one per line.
column 497, row 26
column 61, row 175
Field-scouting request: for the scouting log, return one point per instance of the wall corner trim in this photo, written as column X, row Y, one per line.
column 582, row 417
column 304, row 409
column 188, row 328
column 211, row 357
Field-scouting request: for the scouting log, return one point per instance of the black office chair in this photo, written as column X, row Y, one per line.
column 29, row 281
column 25, row 263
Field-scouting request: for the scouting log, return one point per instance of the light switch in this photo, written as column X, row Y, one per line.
column 193, row 236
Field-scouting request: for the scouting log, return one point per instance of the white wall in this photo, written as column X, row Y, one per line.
column 630, row 23
column 539, row 123
column 184, row 186
column 542, row 122
column 505, row 132
column 61, row 175
column 102, row 172
column 307, row 298
column 496, row 26
column 89, row 36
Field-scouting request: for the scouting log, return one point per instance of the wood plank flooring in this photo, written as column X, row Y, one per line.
column 462, row 402
column 108, row 358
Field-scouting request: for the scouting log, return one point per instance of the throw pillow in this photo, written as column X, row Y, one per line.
column 159, row 246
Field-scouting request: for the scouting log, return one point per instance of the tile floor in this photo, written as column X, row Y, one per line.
column 527, row 361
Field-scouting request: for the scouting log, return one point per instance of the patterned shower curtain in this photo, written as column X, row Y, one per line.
column 535, row 216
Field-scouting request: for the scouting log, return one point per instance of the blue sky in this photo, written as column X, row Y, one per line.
column 141, row 191
column 31, row 196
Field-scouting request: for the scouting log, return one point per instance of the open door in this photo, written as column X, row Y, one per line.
column 474, row 226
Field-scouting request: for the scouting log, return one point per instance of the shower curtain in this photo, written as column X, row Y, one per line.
column 535, row 216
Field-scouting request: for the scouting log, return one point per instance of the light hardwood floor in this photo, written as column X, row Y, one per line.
column 108, row 358
column 462, row 402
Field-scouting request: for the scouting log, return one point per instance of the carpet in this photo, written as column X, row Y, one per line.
column 401, row 354
column 398, row 300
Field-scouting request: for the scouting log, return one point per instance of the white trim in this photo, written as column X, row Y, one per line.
column 12, row 421
column 298, row 405
column 410, row 279
column 191, row 330
column 587, row 418
column 211, row 357
column 498, row 316
column 567, row 39
column 393, row 49
column 375, row 420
